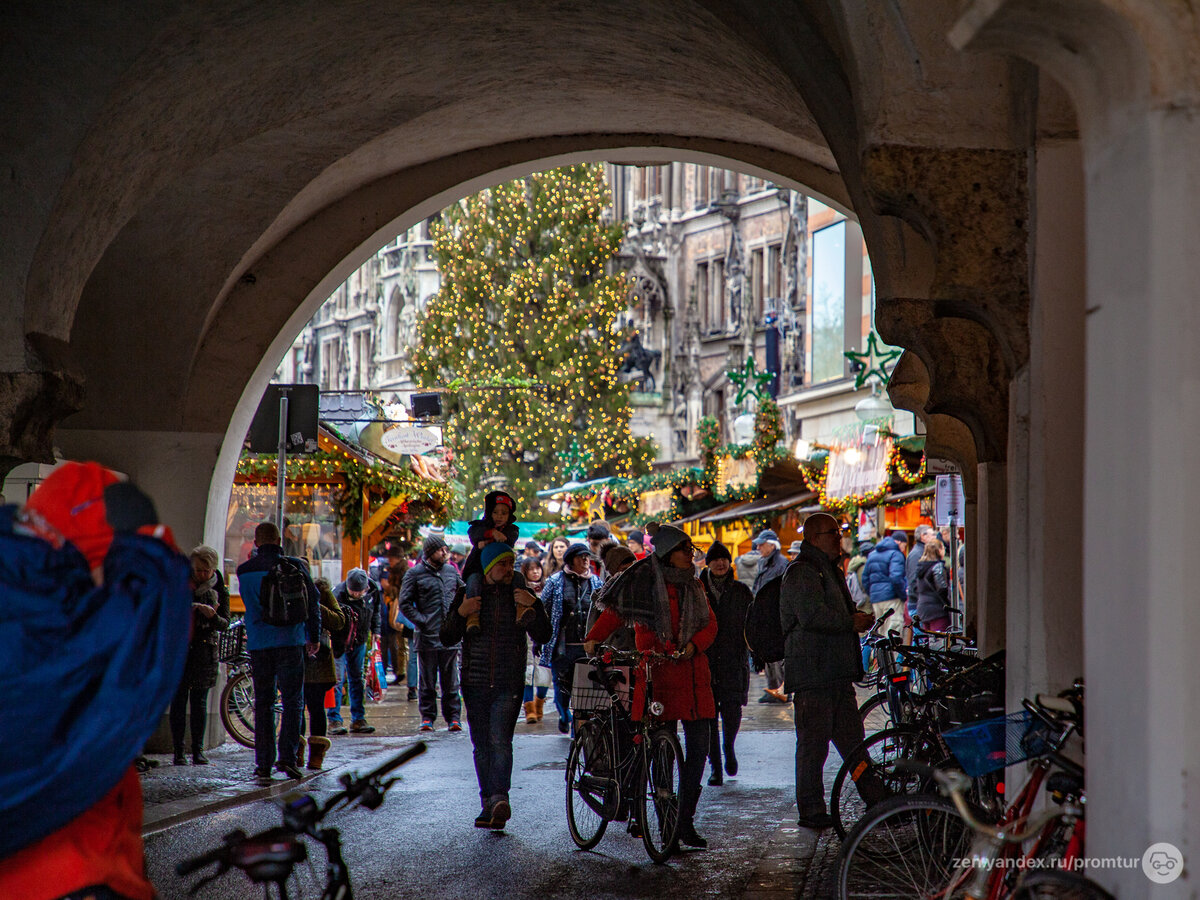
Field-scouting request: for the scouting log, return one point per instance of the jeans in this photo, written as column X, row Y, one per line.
column 729, row 714
column 823, row 715
column 349, row 668
column 774, row 675
column 434, row 665
column 492, row 718
column 563, row 668
column 277, row 669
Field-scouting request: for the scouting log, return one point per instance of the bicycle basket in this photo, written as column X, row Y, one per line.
column 992, row 744
column 232, row 643
column 587, row 692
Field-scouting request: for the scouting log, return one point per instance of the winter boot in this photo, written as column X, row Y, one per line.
column 530, row 713
column 538, row 704
column 316, row 751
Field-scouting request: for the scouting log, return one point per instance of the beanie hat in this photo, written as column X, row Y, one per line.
column 617, row 556
column 71, row 501
column 575, row 550
column 494, row 552
column 357, row 580
column 432, row 544
column 666, row 538
column 637, row 536
column 718, row 551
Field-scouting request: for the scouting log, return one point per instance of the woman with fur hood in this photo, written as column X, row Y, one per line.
column 661, row 598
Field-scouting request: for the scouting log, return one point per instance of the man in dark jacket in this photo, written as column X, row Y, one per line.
column 276, row 657
column 426, row 592
column 883, row 580
column 727, row 657
column 493, row 672
column 821, row 627
column 361, row 597
column 771, row 565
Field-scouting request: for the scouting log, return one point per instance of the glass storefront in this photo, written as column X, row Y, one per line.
column 312, row 531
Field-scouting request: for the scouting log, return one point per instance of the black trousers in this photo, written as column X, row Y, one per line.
column 695, row 754
column 195, row 698
column 434, row 666
column 822, row 715
column 314, row 704
column 729, row 718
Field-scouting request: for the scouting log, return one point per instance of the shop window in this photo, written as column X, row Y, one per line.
column 313, row 532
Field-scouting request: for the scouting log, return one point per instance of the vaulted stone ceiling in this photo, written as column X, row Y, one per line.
column 186, row 176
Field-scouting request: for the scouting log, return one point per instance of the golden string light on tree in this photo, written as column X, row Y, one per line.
column 523, row 331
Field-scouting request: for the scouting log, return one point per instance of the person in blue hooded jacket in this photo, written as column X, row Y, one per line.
column 883, row 580
column 94, row 614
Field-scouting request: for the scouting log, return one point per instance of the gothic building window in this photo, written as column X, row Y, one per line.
column 756, row 282
column 774, row 276
column 331, row 353
column 717, row 315
column 828, row 292
column 700, row 285
column 700, row 185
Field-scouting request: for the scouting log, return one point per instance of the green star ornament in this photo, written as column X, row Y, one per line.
column 873, row 362
column 576, row 460
column 749, row 380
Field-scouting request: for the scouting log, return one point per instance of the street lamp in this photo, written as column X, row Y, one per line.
column 873, row 406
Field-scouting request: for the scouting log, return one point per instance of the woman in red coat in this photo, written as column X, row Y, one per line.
column 662, row 599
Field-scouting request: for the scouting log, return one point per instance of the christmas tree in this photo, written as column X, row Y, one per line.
column 522, row 334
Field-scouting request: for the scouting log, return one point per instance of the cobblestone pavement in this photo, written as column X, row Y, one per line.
column 795, row 861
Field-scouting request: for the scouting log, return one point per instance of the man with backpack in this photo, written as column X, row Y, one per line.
column 822, row 661
column 361, row 599
column 283, row 620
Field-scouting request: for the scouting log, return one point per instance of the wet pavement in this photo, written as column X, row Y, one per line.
column 422, row 843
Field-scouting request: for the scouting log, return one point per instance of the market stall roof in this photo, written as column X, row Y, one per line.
column 906, row 496
column 704, row 515
column 755, row 507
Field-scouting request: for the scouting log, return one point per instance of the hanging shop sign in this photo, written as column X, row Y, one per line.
column 655, row 503
column 859, row 470
column 736, row 474
column 412, row 441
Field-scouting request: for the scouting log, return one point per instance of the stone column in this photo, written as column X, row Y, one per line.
column 991, row 556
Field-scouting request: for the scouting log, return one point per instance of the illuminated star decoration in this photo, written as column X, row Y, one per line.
column 576, row 461
column 749, row 380
column 873, row 362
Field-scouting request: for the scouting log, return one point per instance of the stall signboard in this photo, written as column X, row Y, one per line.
column 412, row 441
column 736, row 474
column 655, row 503
column 857, row 470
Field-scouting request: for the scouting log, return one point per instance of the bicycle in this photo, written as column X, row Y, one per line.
column 917, row 846
column 237, row 697
column 615, row 760
column 270, row 856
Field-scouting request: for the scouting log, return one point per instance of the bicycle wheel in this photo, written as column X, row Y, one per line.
column 659, row 803
column 237, row 708
column 588, row 790
column 876, row 714
column 904, row 848
column 1052, row 884
column 876, row 758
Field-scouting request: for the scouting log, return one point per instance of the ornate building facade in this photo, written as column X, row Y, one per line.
column 724, row 267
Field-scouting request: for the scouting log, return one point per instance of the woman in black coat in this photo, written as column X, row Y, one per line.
column 727, row 657
column 210, row 615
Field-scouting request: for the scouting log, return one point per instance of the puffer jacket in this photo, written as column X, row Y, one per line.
column 425, row 595
column 727, row 657
column 933, row 591
column 883, row 575
column 496, row 656
column 817, row 618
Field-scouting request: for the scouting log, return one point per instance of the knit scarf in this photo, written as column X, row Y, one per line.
column 639, row 597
